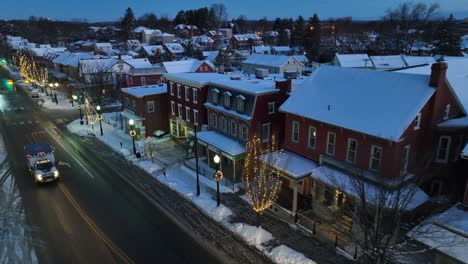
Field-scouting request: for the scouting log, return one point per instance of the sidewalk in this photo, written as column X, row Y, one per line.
column 282, row 242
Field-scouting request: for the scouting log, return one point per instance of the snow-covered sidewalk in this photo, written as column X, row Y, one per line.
column 183, row 180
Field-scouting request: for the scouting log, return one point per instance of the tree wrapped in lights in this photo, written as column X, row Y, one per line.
column 150, row 147
column 90, row 113
column 30, row 69
column 261, row 175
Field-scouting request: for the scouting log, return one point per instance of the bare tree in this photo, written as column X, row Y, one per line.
column 219, row 11
column 260, row 176
column 150, row 147
column 407, row 21
column 96, row 78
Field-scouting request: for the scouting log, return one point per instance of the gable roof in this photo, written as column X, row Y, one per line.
column 96, row 65
column 380, row 104
column 141, row 91
column 71, row 59
column 269, row 60
column 417, row 60
column 184, row 65
column 354, row 60
column 138, row 63
column 457, row 77
column 388, row 62
column 151, row 50
column 174, row 48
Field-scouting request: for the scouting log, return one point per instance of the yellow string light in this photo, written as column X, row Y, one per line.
column 261, row 176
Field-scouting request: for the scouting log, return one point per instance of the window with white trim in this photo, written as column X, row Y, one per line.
column 187, row 114
column 446, row 112
column 179, row 91
column 265, row 132
column 215, row 93
column 179, row 110
column 195, row 117
column 233, row 128
column 331, row 139
column 214, row 120
column 405, row 160
column 240, row 103
column 443, row 149
column 223, row 123
column 227, row 99
column 143, row 80
column 375, row 158
column 173, row 108
column 417, row 121
column 352, row 149
column 187, row 93
column 295, row 132
column 312, row 137
column 171, row 86
column 244, row 132
column 150, row 107
column 271, row 108
column 195, row 95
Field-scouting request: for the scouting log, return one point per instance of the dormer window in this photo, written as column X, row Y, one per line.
column 227, row 99
column 240, row 103
column 446, row 112
column 215, row 93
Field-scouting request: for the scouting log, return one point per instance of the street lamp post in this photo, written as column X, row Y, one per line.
column 218, row 175
column 132, row 134
column 55, row 93
column 46, row 92
column 74, row 97
column 98, row 108
column 81, row 115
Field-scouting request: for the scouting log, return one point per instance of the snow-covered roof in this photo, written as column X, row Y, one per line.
column 195, row 79
column 294, row 165
column 388, row 62
column 268, row 60
column 407, row 198
column 212, row 56
column 96, row 65
column 151, row 50
column 241, row 37
column 139, row 63
column 454, row 122
column 417, row 60
column 261, row 49
column 202, row 39
column 139, row 29
column 302, row 58
column 253, row 86
column 281, row 48
column 381, row 104
column 142, row 91
column 457, row 77
column 227, row 111
column 225, row 144
column 72, row 59
column 354, row 60
column 446, row 232
column 147, row 71
column 184, row 65
column 174, row 48
column 103, row 45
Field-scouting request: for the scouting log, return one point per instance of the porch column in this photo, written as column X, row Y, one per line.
column 294, row 207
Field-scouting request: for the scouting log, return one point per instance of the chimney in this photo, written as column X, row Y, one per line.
column 284, row 87
column 438, row 71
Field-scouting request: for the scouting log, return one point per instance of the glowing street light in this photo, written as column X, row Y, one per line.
column 98, row 108
column 218, row 175
column 131, row 122
column 81, row 115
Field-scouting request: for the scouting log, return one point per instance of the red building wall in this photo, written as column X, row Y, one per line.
column 135, row 80
column 204, row 68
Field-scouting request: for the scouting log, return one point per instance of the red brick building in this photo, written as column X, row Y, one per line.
column 145, row 76
column 148, row 107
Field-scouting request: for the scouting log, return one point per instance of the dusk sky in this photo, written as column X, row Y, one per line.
column 111, row 10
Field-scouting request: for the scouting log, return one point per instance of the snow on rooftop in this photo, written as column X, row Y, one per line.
column 291, row 163
column 184, row 65
column 72, row 59
column 139, row 63
column 175, row 47
column 281, row 48
column 224, row 143
column 252, row 86
column 153, row 49
column 96, row 65
column 446, row 232
column 354, row 60
column 141, row 91
column 381, row 104
column 103, row 44
column 454, row 122
column 388, row 62
column 410, row 194
column 418, row 60
column 268, row 60
column 196, row 79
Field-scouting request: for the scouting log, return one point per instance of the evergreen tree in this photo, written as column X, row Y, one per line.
column 312, row 38
column 298, row 32
column 448, row 37
column 283, row 38
column 278, row 24
column 181, row 18
column 128, row 23
column 149, row 20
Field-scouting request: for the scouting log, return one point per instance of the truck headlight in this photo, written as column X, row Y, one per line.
column 56, row 174
column 39, row 177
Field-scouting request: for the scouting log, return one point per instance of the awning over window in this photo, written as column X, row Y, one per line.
column 225, row 144
column 129, row 115
column 294, row 166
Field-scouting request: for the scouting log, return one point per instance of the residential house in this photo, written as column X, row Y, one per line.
column 261, row 50
column 273, row 63
column 185, row 66
column 67, row 62
column 148, row 107
column 145, row 76
column 132, row 44
column 353, row 61
column 163, row 38
column 237, row 110
column 175, row 50
column 214, row 34
column 203, row 41
column 245, row 42
column 383, row 136
column 153, row 52
column 102, row 47
column 281, row 50
column 187, row 30
column 388, row 63
column 146, row 34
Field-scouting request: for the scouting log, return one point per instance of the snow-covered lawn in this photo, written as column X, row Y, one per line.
column 183, row 180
